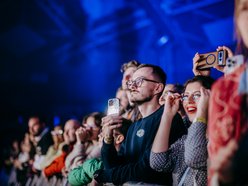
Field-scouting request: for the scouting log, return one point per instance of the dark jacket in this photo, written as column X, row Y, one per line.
column 132, row 161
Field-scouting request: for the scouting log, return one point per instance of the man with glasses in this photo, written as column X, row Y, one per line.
column 131, row 163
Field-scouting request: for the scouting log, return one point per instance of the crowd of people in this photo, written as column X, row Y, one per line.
column 164, row 134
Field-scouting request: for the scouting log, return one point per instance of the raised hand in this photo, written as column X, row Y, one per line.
column 202, row 106
column 197, row 72
column 82, row 135
column 109, row 123
column 229, row 54
column 172, row 104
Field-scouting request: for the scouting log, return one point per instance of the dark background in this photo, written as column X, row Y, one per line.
column 62, row 58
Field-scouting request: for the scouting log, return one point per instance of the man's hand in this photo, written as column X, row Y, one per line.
column 110, row 123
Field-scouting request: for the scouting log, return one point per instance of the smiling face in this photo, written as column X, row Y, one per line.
column 190, row 99
column 69, row 131
column 35, row 126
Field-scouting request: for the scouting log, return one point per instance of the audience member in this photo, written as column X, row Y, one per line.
column 58, row 163
column 87, row 145
column 41, row 138
column 187, row 157
column 54, row 150
column 132, row 112
column 131, row 163
column 83, row 174
column 228, row 103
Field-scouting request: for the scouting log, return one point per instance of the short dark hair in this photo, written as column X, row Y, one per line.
column 41, row 118
column 157, row 71
column 179, row 88
column 205, row 81
column 132, row 63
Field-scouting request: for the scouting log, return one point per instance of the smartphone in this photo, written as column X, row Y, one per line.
column 212, row 59
column 232, row 63
column 113, row 106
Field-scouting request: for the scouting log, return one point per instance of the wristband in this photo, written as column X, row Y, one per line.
column 108, row 139
column 200, row 120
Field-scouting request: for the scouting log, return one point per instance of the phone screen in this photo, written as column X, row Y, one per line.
column 221, row 58
column 113, row 106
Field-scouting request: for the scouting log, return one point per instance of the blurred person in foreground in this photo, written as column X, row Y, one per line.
column 228, row 105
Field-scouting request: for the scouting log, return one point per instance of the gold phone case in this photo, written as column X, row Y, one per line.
column 212, row 59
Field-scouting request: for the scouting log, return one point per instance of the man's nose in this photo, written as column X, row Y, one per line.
column 133, row 86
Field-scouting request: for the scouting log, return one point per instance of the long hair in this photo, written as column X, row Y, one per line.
column 241, row 48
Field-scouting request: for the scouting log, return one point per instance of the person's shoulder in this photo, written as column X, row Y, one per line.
column 47, row 135
column 156, row 114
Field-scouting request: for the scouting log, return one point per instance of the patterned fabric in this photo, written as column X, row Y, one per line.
column 225, row 118
column 189, row 151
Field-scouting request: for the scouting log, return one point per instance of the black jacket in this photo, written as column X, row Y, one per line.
column 132, row 161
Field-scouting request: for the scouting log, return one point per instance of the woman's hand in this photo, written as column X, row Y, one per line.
column 229, row 54
column 202, row 105
column 197, row 72
column 172, row 104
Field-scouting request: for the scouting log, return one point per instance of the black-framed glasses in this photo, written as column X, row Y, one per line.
column 195, row 96
column 138, row 82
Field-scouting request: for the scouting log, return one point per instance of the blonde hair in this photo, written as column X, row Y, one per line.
column 241, row 48
column 132, row 63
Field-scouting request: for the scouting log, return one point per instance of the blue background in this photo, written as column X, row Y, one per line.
column 62, row 58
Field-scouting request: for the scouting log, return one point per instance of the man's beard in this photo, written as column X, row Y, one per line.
column 141, row 101
column 37, row 133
